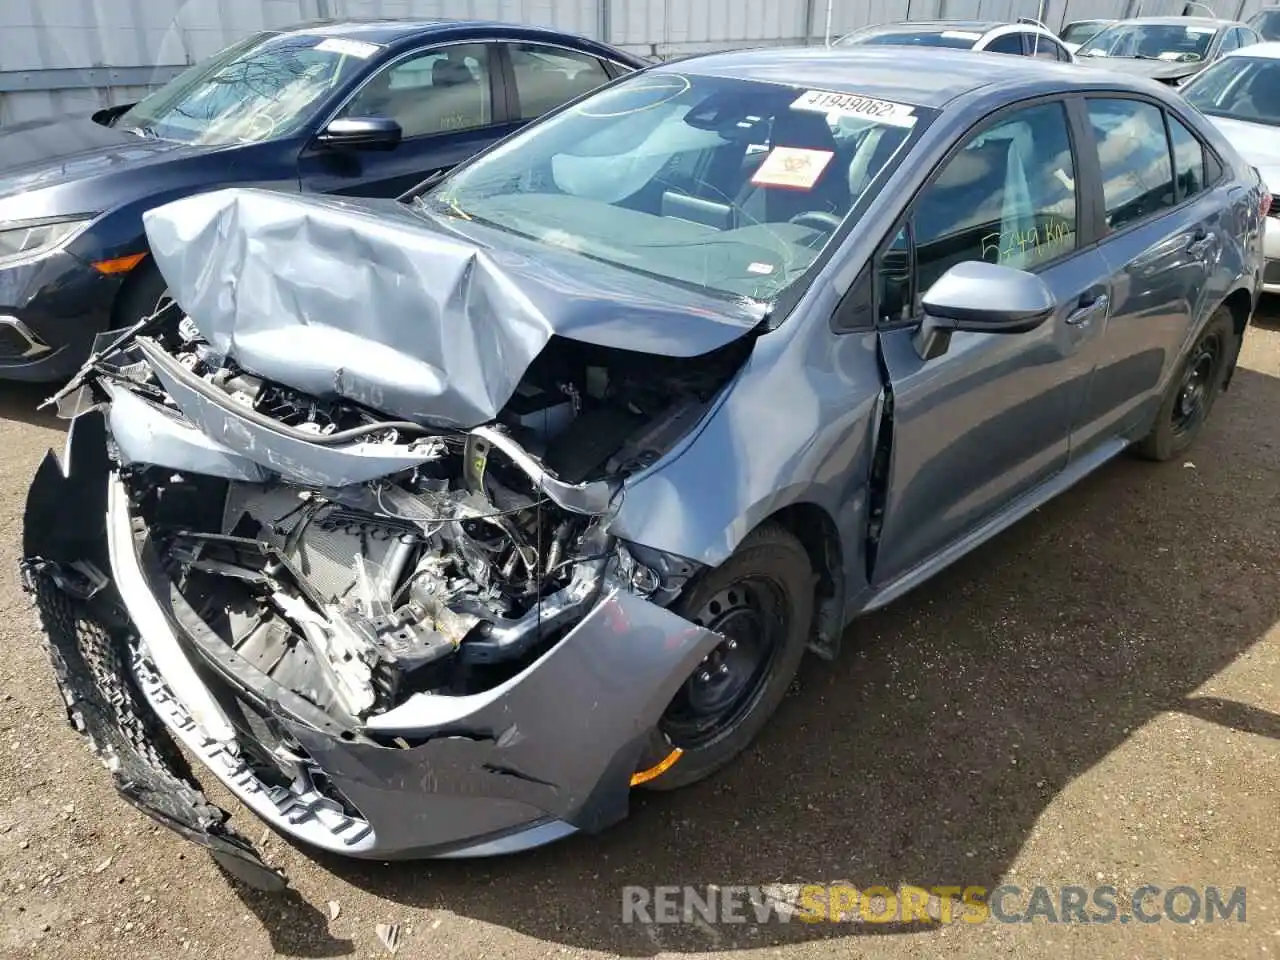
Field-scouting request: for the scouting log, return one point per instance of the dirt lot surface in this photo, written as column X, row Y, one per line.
column 1092, row 698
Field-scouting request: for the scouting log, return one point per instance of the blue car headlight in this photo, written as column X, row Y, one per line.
column 22, row 241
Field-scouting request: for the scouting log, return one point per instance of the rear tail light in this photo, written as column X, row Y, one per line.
column 1265, row 205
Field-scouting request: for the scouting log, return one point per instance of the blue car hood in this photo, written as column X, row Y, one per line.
column 47, row 153
column 375, row 303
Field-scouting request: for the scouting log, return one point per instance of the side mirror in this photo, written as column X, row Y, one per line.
column 983, row 298
column 361, row 133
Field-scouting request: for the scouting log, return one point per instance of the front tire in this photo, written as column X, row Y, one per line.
column 1193, row 390
column 761, row 599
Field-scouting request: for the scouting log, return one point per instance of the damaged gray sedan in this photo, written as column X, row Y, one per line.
column 435, row 528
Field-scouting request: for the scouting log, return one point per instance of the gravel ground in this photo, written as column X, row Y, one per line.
column 1090, row 699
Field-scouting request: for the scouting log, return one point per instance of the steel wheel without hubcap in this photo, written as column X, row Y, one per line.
column 1197, row 381
column 1191, row 393
column 760, row 603
column 752, row 615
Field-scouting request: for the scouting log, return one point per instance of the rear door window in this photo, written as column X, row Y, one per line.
column 1133, row 151
column 547, row 77
column 1188, row 159
column 1040, row 46
column 1006, row 43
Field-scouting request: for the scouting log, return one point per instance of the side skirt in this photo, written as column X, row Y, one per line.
column 1016, row 510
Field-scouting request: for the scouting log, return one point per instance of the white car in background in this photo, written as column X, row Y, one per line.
column 1240, row 94
column 1024, row 38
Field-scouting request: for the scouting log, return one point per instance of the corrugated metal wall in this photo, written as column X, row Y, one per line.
column 62, row 56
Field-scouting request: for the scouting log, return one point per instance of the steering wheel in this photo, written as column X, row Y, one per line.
column 818, row 220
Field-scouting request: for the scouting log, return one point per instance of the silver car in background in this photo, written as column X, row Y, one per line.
column 434, row 528
column 1168, row 49
column 1079, row 32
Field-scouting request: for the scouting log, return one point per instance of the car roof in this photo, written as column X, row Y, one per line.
column 1268, row 50
column 933, row 80
column 1173, row 21
column 385, row 31
column 926, row 26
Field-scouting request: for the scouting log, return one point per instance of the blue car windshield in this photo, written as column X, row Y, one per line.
column 264, row 87
column 727, row 185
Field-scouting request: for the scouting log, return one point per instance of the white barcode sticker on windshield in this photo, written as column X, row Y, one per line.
column 856, row 105
column 350, row 48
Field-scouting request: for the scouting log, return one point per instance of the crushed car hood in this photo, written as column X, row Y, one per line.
column 1166, row 71
column 375, row 303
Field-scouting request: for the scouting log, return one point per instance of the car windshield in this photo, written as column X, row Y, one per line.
column 266, row 86
column 959, row 39
column 729, row 186
column 1243, row 88
column 1151, row 41
column 1081, row 31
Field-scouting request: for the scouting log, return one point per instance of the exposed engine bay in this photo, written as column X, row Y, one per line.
column 444, row 577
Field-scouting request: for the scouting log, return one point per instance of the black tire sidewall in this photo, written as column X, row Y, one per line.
column 1162, row 443
column 773, row 553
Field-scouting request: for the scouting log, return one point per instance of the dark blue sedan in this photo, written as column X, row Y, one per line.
column 362, row 108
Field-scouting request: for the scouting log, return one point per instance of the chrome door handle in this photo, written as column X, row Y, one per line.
column 1082, row 315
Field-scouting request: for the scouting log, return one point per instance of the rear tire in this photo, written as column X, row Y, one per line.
column 1192, row 391
column 761, row 599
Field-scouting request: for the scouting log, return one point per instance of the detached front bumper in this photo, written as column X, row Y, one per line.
column 546, row 753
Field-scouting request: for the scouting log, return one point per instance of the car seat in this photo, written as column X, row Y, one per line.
column 759, row 203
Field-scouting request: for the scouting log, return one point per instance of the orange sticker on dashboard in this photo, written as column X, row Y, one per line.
column 793, row 167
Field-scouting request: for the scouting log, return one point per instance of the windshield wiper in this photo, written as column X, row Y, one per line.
column 418, row 190
column 445, row 205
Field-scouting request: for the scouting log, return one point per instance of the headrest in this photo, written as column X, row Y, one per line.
column 450, row 73
column 972, row 164
column 801, row 128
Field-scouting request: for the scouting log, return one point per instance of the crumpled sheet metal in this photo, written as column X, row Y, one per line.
column 371, row 302
column 147, row 433
column 248, row 444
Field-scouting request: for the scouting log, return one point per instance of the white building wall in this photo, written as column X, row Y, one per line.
column 64, row 56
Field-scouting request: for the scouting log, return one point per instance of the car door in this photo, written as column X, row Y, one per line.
column 1160, row 236
column 989, row 420
column 450, row 102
